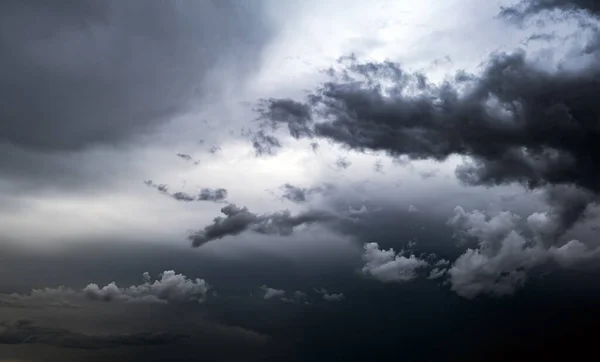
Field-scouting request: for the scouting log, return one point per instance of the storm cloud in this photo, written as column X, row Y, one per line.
column 517, row 122
column 102, row 72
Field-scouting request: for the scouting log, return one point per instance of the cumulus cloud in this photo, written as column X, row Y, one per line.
column 389, row 266
column 272, row 292
column 169, row 288
column 504, row 256
column 239, row 219
column 330, row 297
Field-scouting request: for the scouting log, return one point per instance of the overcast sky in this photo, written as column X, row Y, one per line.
column 298, row 180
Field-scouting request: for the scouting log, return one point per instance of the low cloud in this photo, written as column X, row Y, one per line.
column 169, row 288
column 500, row 264
column 239, row 219
column 330, row 297
column 272, row 292
column 389, row 266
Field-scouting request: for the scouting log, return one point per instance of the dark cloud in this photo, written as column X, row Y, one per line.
column 517, row 122
column 87, row 73
column 239, row 219
column 265, row 144
column 206, row 194
column 526, row 8
column 25, row 332
column 303, row 194
column 215, row 195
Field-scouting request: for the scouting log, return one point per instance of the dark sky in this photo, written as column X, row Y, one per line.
column 299, row 180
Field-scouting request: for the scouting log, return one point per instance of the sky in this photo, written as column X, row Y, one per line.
column 299, row 180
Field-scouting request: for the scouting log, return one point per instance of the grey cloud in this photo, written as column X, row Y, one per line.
column 428, row 174
column 216, row 195
column 206, row 194
column 500, row 119
column 272, row 293
column 504, row 256
column 526, row 8
column 302, row 194
column 330, row 297
column 239, row 219
column 437, row 273
column 170, row 288
column 25, row 332
column 88, row 73
column 389, row 266
column 265, row 144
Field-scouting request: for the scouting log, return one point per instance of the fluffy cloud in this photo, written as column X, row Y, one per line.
column 389, row 266
column 169, row 288
column 504, row 256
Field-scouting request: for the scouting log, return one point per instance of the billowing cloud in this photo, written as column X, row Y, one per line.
column 239, row 219
column 517, row 121
column 389, row 266
column 504, row 256
column 169, row 288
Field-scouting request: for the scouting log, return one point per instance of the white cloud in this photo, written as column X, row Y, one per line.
column 387, row 266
